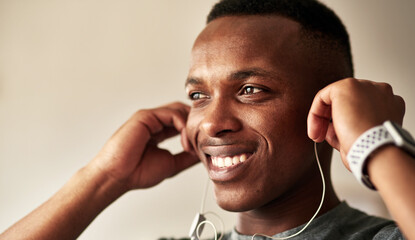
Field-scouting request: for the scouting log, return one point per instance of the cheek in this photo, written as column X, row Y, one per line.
column 283, row 128
column 268, row 121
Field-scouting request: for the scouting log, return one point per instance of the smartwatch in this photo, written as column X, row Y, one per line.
column 371, row 140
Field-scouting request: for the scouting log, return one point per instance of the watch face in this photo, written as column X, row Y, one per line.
column 408, row 138
column 401, row 137
column 404, row 134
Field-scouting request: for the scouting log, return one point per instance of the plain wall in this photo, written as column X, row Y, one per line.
column 71, row 72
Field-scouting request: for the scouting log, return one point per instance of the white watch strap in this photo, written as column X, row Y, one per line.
column 363, row 147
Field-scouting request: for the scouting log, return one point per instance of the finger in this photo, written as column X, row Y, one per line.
column 157, row 120
column 400, row 103
column 319, row 116
column 182, row 108
column 185, row 142
column 174, row 126
column 331, row 137
column 178, row 117
column 178, row 106
column 166, row 133
column 183, row 161
column 343, row 156
column 386, row 88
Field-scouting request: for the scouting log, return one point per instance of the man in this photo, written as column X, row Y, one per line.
column 267, row 78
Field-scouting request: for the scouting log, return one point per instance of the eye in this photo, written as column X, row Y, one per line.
column 197, row 96
column 251, row 90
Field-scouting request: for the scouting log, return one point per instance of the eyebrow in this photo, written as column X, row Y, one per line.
column 251, row 72
column 238, row 75
column 193, row 81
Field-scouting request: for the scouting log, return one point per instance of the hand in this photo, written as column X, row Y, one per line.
column 132, row 157
column 345, row 109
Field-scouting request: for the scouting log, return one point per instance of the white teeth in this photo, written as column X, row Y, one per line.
column 220, row 162
column 235, row 160
column 228, row 161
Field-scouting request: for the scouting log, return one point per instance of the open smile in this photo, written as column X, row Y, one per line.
column 228, row 161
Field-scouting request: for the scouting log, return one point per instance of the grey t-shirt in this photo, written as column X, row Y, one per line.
column 342, row 222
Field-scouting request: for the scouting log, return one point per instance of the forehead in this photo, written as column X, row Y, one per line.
column 248, row 28
column 229, row 44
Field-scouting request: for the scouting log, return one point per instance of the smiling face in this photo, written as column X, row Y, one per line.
column 251, row 85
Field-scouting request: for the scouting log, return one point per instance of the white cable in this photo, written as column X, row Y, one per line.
column 222, row 224
column 202, row 206
column 315, row 214
column 206, row 222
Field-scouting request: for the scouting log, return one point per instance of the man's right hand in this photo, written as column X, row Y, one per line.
column 132, row 157
column 129, row 160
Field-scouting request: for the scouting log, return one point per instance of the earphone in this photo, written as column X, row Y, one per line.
column 200, row 219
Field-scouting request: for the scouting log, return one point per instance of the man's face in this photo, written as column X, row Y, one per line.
column 249, row 82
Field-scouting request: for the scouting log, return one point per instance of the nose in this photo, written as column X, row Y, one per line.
column 220, row 118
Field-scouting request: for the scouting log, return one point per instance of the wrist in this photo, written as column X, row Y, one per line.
column 386, row 164
column 373, row 141
column 103, row 184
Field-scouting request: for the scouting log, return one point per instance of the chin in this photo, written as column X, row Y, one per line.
column 235, row 200
column 232, row 205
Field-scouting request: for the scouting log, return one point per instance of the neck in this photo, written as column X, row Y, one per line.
column 289, row 211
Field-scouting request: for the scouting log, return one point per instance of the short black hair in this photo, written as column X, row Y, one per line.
column 317, row 20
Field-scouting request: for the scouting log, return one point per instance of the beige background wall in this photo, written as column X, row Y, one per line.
column 71, row 72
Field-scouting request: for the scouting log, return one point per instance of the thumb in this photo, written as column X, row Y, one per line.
column 317, row 127
column 183, row 161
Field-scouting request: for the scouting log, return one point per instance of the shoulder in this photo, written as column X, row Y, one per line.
column 345, row 222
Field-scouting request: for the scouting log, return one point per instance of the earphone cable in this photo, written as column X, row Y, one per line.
column 202, row 206
column 315, row 214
